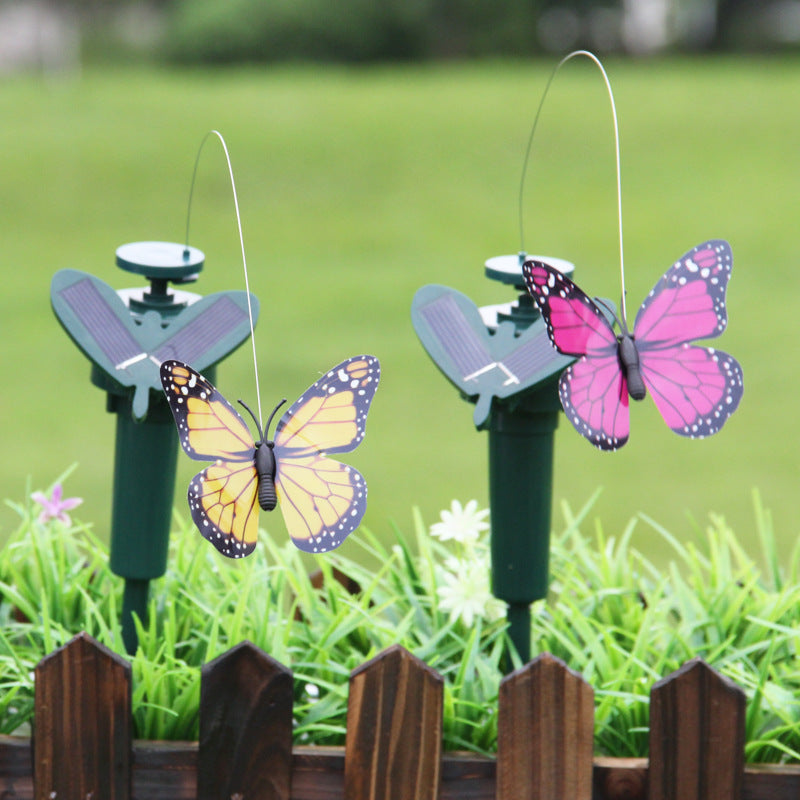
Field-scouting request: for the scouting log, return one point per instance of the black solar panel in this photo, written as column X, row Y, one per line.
column 98, row 317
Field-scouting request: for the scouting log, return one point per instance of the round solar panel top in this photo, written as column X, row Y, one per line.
column 160, row 260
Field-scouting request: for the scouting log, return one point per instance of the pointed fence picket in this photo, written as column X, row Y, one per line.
column 82, row 730
column 545, row 733
column 81, row 746
column 394, row 729
column 245, row 747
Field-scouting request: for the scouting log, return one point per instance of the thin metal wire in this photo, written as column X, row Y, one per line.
column 241, row 242
column 563, row 61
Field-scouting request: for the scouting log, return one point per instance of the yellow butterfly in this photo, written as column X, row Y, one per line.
column 322, row 500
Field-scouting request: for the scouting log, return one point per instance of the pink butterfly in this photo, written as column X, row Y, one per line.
column 695, row 388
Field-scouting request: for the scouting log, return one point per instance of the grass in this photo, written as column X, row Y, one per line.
column 359, row 186
column 624, row 623
column 612, row 614
column 55, row 581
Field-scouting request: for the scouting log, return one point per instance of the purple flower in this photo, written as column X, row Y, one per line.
column 54, row 507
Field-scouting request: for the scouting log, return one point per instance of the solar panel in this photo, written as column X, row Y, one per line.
column 96, row 314
column 482, row 365
column 129, row 348
column 461, row 342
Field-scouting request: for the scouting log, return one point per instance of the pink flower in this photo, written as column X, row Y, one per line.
column 54, row 507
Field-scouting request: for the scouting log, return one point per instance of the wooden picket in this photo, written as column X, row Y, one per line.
column 394, row 729
column 245, row 727
column 82, row 730
column 81, row 746
column 696, row 736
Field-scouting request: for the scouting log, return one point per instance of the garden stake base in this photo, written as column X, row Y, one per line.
column 501, row 359
column 519, row 631
column 134, row 601
column 521, row 438
column 126, row 335
column 145, row 460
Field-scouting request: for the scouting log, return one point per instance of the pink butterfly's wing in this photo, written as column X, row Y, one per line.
column 688, row 302
column 575, row 324
column 593, row 391
column 694, row 388
column 594, row 394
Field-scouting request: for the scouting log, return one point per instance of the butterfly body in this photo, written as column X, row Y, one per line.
column 263, row 457
column 265, row 468
column 629, row 361
column 695, row 388
column 322, row 500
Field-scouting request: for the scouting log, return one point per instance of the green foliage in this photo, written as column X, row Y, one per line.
column 203, row 31
column 624, row 623
column 357, row 187
column 55, row 581
column 612, row 614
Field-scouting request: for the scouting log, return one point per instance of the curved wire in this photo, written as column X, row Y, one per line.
column 241, row 242
column 558, row 66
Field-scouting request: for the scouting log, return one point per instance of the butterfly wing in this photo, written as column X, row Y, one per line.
column 331, row 415
column 593, row 391
column 594, row 395
column 575, row 324
column 688, row 302
column 223, row 497
column 322, row 500
column 696, row 389
column 223, row 501
column 208, row 425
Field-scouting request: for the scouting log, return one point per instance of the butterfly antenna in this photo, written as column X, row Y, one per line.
column 621, row 323
column 558, row 66
column 244, row 256
column 274, row 412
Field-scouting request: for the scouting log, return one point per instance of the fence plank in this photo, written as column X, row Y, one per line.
column 245, row 743
column 164, row 770
column 16, row 768
column 168, row 771
column 620, row 778
column 394, row 729
column 545, row 731
column 696, row 736
column 771, row 782
column 82, row 724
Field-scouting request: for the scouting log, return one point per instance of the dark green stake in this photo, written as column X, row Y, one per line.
column 145, row 458
column 126, row 336
column 501, row 359
column 521, row 438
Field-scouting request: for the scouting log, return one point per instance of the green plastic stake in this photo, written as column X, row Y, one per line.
column 521, row 441
column 501, row 359
column 143, row 494
column 126, row 335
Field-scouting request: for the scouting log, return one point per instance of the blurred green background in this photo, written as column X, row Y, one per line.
column 361, row 182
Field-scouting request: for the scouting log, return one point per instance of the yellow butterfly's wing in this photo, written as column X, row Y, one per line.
column 223, row 501
column 322, row 500
column 223, row 498
column 331, row 415
column 208, row 425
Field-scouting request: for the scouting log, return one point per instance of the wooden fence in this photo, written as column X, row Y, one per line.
column 81, row 748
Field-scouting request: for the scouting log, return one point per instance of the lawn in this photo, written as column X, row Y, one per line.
column 359, row 186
